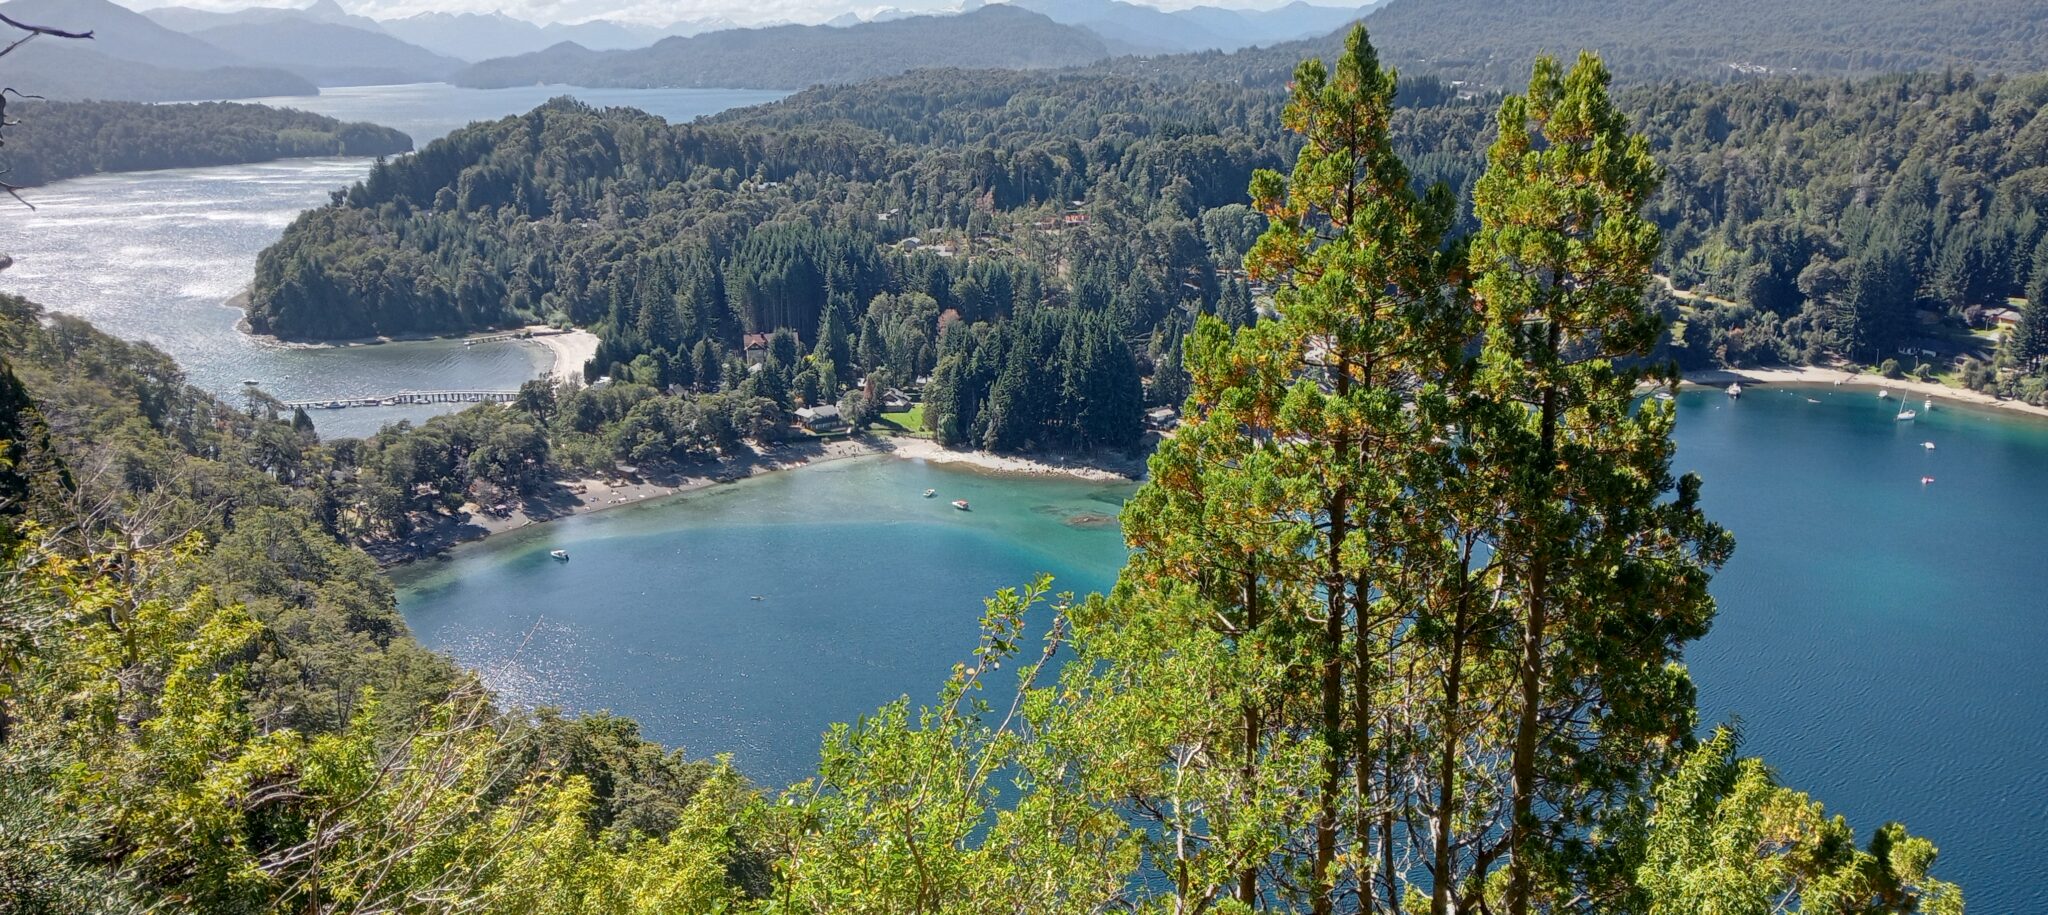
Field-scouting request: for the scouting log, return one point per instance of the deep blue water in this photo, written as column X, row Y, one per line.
column 1881, row 640
column 1885, row 642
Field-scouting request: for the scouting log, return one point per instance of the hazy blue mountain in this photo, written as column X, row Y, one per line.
column 121, row 33
column 794, row 56
column 482, row 36
column 1131, row 27
column 132, row 58
column 1137, row 28
column 1294, row 21
column 190, row 19
column 330, row 54
column 73, row 70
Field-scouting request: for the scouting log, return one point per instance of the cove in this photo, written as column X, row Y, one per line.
column 1880, row 640
column 747, row 618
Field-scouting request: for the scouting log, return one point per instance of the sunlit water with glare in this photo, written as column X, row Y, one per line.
column 156, row 256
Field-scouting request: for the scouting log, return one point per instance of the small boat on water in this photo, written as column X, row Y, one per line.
column 1906, row 416
column 1926, row 480
column 251, row 382
column 1664, row 396
column 1927, row 445
column 1813, row 400
column 1735, row 390
column 562, row 555
column 960, row 504
column 1927, row 405
column 1884, row 393
column 930, row 493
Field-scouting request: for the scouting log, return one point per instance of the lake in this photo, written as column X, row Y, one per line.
column 1881, row 640
column 155, row 256
column 747, row 618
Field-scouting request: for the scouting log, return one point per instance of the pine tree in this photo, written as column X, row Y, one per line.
column 1279, row 507
column 1605, row 574
column 2030, row 339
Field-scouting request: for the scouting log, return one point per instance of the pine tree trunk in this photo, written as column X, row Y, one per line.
column 1521, row 842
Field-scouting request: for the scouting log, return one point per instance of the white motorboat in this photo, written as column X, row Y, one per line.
column 562, row 555
column 960, row 504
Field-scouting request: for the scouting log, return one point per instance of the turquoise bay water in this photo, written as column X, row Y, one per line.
column 867, row 592
column 1881, row 641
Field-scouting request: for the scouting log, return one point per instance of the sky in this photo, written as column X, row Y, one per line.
column 662, row 12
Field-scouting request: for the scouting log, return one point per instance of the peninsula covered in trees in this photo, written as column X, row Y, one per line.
column 1402, row 628
column 58, row 140
column 1832, row 221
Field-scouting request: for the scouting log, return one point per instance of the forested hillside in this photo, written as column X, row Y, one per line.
column 795, row 56
column 198, row 679
column 1854, row 219
column 699, row 235
column 1486, row 40
column 1402, row 628
column 57, row 140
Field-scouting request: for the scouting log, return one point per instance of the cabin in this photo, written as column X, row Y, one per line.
column 1162, row 419
column 756, row 348
column 820, row 419
column 2005, row 317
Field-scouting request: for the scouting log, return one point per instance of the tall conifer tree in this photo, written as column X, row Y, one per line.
column 1604, row 573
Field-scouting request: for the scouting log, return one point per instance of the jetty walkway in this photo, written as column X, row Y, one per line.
column 407, row 397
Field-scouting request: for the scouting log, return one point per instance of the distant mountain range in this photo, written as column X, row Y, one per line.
column 179, row 52
column 795, row 56
column 132, row 58
column 1132, row 28
column 175, row 53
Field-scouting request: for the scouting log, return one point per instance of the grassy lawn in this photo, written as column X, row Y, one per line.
column 911, row 423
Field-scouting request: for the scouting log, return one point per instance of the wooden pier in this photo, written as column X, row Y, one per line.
column 406, row 397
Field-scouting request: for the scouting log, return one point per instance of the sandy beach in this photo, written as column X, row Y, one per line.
column 1909, row 389
column 1103, row 468
column 572, row 349
column 569, row 496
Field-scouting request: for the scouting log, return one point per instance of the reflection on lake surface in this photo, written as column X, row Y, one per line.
column 1882, row 641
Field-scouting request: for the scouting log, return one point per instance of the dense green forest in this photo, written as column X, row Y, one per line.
column 1402, row 628
column 56, row 140
column 1486, row 41
column 1847, row 220
column 796, row 56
